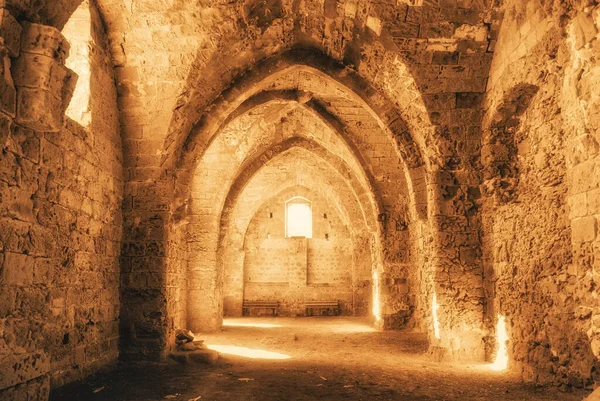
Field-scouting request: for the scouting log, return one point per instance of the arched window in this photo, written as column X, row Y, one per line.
column 298, row 217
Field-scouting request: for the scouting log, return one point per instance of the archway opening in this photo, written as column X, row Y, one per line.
column 298, row 127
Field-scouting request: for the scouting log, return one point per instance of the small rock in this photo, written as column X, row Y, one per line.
column 188, row 347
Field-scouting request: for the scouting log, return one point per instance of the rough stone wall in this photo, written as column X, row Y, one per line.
column 60, row 198
column 539, row 155
column 581, row 102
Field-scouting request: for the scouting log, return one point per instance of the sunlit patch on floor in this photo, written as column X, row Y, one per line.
column 260, row 325
column 355, row 328
column 247, row 352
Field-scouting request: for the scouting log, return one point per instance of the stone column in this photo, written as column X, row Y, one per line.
column 458, row 279
column 298, row 273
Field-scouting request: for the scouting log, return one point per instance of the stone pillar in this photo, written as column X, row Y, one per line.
column 234, row 279
column 395, row 305
column 298, row 273
column 145, row 318
column 205, row 280
column 458, row 280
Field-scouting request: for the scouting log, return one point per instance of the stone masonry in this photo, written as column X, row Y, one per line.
column 451, row 149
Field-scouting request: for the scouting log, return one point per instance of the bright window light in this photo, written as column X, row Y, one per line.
column 78, row 33
column 298, row 215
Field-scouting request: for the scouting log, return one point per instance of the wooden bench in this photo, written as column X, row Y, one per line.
column 310, row 306
column 273, row 305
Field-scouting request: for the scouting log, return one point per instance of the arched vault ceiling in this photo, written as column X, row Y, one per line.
column 304, row 84
column 296, row 145
column 246, row 139
column 175, row 58
column 338, row 122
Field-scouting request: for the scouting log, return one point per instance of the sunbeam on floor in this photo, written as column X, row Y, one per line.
column 247, row 352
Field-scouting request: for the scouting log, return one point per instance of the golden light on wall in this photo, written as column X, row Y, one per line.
column 501, row 361
column 434, row 313
column 376, row 301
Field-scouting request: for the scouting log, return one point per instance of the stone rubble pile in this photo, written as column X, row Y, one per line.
column 185, row 341
column 189, row 349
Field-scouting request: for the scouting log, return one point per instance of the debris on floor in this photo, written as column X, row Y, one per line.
column 189, row 349
column 184, row 336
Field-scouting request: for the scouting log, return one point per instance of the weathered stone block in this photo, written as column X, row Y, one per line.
column 593, row 201
column 584, row 229
column 44, row 40
column 578, row 205
column 7, row 88
column 583, row 30
column 17, row 269
column 44, row 85
column 5, row 126
column 468, row 99
column 39, row 110
column 596, row 257
column 10, row 31
column 26, row 143
column 31, row 366
column 33, row 70
column 37, row 389
column 38, row 71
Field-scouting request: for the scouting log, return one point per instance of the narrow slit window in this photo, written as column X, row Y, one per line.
column 298, row 218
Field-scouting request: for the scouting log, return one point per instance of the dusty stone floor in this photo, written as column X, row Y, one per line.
column 329, row 359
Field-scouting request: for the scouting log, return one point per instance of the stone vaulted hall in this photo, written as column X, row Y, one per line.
column 297, row 200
